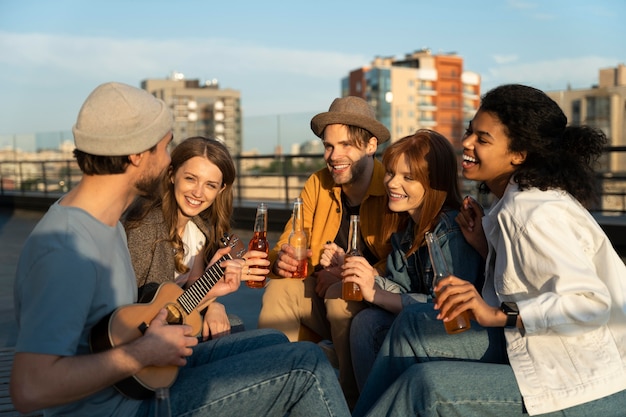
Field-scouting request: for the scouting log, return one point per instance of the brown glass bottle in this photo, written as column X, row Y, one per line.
column 259, row 239
column 350, row 290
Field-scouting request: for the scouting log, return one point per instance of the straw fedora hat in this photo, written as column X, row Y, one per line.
column 352, row 111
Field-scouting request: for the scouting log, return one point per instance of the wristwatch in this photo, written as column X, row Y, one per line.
column 511, row 311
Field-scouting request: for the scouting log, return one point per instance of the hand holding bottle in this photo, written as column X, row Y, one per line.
column 255, row 267
column 298, row 241
column 440, row 270
column 357, row 269
column 259, row 241
column 351, row 290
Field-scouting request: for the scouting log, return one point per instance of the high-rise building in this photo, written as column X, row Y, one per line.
column 602, row 106
column 420, row 90
column 200, row 109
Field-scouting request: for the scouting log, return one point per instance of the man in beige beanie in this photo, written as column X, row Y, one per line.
column 352, row 183
column 75, row 269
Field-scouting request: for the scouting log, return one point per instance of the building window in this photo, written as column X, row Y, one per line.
column 599, row 113
column 576, row 116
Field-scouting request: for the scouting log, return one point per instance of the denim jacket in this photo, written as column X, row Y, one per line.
column 413, row 276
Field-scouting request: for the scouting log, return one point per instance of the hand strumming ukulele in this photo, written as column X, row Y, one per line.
column 130, row 322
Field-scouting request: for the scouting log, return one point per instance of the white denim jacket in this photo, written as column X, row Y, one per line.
column 549, row 255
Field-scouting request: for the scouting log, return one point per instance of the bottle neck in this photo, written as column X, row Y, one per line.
column 354, row 236
column 260, row 222
column 298, row 218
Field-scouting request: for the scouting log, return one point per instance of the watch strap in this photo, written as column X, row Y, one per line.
column 511, row 311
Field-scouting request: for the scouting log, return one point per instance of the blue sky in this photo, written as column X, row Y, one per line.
column 285, row 56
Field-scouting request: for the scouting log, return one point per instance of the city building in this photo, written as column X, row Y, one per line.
column 419, row 90
column 201, row 109
column 602, row 106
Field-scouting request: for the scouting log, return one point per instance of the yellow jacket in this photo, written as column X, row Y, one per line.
column 322, row 209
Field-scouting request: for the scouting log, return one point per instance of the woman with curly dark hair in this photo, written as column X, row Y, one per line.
column 550, row 337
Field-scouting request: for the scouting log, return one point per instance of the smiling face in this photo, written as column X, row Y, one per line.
column 197, row 183
column 405, row 193
column 346, row 162
column 486, row 154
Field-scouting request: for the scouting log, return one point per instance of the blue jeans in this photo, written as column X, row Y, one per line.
column 423, row 371
column 367, row 333
column 256, row 372
column 472, row 389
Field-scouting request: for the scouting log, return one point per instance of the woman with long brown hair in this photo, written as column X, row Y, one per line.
column 177, row 234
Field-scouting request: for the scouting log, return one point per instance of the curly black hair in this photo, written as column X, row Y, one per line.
column 557, row 155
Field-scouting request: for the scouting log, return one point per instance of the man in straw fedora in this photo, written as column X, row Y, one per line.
column 351, row 183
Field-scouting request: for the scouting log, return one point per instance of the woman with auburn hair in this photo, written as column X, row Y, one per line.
column 177, row 235
column 421, row 179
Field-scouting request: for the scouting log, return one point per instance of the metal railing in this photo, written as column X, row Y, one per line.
column 276, row 179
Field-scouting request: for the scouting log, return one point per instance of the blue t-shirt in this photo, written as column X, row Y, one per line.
column 72, row 271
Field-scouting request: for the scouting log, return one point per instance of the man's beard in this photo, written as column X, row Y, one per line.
column 356, row 171
column 148, row 187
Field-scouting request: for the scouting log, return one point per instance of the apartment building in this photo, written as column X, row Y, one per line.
column 602, row 106
column 201, row 109
column 419, row 90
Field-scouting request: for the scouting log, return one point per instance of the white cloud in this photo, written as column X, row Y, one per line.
column 505, row 59
column 579, row 72
column 109, row 58
column 51, row 74
column 522, row 5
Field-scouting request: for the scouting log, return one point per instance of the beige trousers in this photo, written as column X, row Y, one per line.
column 293, row 307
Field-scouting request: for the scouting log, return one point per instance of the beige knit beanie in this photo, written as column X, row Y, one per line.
column 118, row 119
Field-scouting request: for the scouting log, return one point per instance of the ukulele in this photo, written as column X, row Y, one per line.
column 130, row 322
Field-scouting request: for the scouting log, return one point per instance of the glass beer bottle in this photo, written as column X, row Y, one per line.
column 298, row 240
column 350, row 290
column 259, row 239
column 440, row 271
column 162, row 406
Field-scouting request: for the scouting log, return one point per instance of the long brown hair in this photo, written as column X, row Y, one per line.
column 433, row 163
column 217, row 216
